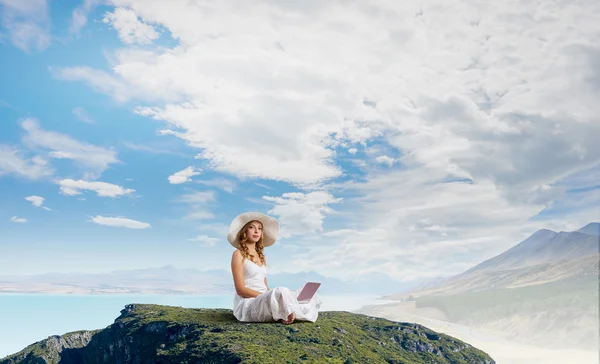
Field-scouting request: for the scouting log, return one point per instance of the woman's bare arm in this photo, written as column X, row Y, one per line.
column 237, row 269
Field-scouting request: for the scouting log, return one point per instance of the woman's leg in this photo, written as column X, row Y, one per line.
column 290, row 317
column 258, row 309
column 283, row 305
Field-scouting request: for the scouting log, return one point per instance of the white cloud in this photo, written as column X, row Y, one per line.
column 428, row 227
column 154, row 148
column 18, row 219
column 14, row 162
column 491, row 114
column 82, row 115
column 99, row 81
column 205, row 82
column 4, row 103
column 301, row 213
column 27, row 23
column 341, row 232
column 184, row 176
column 72, row 187
column 119, row 222
column 199, row 203
column 92, row 159
column 200, row 215
column 384, row 159
column 80, row 15
column 208, row 241
column 130, row 28
column 352, row 151
column 215, row 227
column 430, row 105
column 37, row 201
column 263, row 186
column 225, row 184
column 197, row 198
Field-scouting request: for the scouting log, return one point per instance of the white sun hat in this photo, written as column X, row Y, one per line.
column 270, row 228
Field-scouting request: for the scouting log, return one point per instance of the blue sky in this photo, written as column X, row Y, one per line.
column 133, row 131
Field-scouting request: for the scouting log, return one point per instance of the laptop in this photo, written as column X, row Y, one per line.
column 308, row 291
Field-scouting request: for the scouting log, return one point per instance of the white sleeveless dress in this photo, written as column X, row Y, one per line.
column 271, row 305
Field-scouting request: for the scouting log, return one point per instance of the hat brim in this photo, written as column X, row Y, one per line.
column 270, row 228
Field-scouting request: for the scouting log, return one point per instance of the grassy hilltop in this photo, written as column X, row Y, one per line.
column 164, row 334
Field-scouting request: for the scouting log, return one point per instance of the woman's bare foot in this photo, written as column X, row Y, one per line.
column 289, row 320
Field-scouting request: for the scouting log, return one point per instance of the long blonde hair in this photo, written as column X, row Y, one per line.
column 243, row 238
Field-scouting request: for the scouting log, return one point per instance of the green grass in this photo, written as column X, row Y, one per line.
column 167, row 334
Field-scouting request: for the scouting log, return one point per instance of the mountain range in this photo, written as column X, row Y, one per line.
column 545, row 256
column 171, row 280
column 542, row 291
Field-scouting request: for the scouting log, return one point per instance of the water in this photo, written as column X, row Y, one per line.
column 27, row 318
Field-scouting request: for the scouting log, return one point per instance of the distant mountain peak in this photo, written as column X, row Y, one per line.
column 593, row 228
column 543, row 246
column 542, row 232
column 545, row 256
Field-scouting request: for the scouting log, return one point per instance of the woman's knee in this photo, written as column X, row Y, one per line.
column 281, row 291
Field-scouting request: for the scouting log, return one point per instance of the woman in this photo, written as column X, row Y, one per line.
column 253, row 301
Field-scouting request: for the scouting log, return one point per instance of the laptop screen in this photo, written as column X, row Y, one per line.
column 308, row 291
